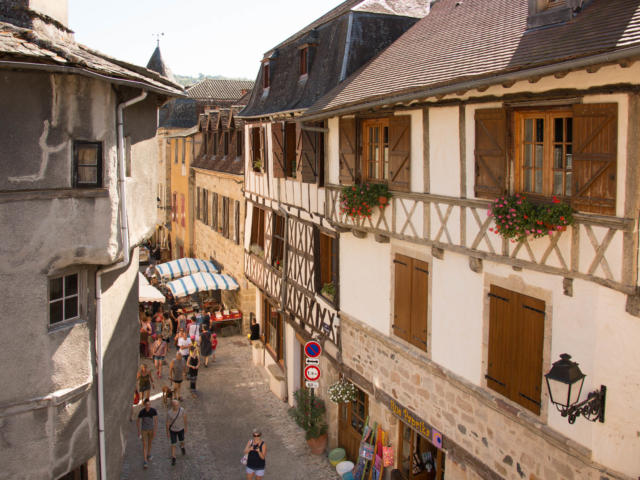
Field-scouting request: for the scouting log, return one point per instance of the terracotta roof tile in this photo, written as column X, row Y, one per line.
column 459, row 41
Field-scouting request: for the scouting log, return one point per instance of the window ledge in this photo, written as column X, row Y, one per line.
column 52, row 193
column 66, row 324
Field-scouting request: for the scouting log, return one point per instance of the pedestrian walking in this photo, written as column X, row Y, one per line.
column 176, row 428
column 205, row 344
column 193, row 364
column 256, row 452
column 159, row 352
column 183, row 343
column 167, row 328
column 177, row 369
column 145, row 381
column 147, row 423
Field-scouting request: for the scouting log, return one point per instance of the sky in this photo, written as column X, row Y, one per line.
column 214, row 37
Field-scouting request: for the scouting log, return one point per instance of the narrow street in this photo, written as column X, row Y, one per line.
column 233, row 399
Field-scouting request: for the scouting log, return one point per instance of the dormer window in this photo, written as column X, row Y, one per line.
column 266, row 75
column 550, row 12
column 304, row 60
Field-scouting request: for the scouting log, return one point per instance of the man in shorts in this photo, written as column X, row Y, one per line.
column 176, row 428
column 147, row 423
column 177, row 370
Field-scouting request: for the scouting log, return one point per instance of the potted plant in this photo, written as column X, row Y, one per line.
column 516, row 218
column 257, row 250
column 359, row 200
column 257, row 166
column 329, row 291
column 309, row 415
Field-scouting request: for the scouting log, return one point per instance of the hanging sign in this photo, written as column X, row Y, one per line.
column 312, row 349
column 311, row 373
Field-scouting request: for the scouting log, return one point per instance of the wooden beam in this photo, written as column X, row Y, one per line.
column 359, row 233
column 381, row 238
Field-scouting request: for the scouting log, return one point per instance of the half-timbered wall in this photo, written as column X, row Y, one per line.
column 586, row 278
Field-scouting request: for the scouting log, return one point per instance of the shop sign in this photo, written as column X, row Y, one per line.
column 416, row 423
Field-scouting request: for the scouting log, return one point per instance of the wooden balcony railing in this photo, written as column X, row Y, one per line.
column 597, row 248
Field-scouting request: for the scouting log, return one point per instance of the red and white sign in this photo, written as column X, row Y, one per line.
column 311, row 373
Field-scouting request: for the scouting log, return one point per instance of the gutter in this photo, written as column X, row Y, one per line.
column 90, row 74
column 422, row 94
column 124, row 231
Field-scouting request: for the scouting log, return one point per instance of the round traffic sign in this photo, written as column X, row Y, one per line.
column 312, row 349
column 311, row 373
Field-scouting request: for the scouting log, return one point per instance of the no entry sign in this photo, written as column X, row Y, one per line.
column 311, row 373
column 312, row 349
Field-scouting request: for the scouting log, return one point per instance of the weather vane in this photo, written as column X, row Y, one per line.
column 158, row 35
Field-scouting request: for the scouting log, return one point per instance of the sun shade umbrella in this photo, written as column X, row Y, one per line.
column 202, row 282
column 147, row 292
column 184, row 266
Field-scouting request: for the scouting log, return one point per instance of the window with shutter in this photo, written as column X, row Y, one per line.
column 236, row 223
column 491, row 152
column 277, row 133
column 290, row 153
column 277, row 246
column 257, row 227
column 205, row 206
column 214, row 212
column 411, row 300
column 225, row 217
column 516, row 340
column 348, row 149
column 308, row 150
column 400, row 152
column 256, row 144
column 198, row 200
column 326, row 265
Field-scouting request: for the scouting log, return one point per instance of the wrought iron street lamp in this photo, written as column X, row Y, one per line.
column 564, row 382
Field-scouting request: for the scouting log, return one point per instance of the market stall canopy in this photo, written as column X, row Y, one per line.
column 147, row 292
column 202, row 282
column 184, row 266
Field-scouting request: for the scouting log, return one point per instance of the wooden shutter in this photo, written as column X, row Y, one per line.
column 348, row 148
column 595, row 143
column 419, row 302
column 225, row 206
column 277, row 135
column 250, row 153
column 402, row 302
column 198, row 199
column 306, row 154
column 491, row 152
column 263, row 157
column 528, row 354
column 236, row 222
column 205, row 206
column 500, row 331
column 400, row 152
column 214, row 212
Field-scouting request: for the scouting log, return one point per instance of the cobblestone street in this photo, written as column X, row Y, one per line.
column 233, row 399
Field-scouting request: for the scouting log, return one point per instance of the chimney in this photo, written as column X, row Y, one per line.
column 46, row 16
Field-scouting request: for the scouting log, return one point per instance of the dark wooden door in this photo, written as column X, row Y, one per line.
column 353, row 416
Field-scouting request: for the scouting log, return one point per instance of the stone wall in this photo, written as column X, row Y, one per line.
column 211, row 244
column 485, row 435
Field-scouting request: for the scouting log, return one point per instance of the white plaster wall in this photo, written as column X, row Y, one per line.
column 333, row 151
column 142, row 190
column 365, row 276
column 444, row 151
column 456, row 322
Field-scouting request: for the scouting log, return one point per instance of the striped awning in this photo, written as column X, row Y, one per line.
column 184, row 266
column 202, row 282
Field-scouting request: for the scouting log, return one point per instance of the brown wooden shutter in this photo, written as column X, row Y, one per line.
column 400, row 152
column 198, row 198
column 528, row 355
column 348, row 148
column 419, row 303
column 595, row 143
column 277, row 135
column 214, row 212
column 306, row 154
column 402, row 302
column 236, row 221
column 500, row 330
column 491, row 152
column 263, row 149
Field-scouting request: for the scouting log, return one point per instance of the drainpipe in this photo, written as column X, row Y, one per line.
column 124, row 232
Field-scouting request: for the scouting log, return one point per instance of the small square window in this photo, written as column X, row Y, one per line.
column 87, row 170
column 64, row 298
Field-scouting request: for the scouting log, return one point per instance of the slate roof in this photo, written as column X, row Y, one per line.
column 212, row 89
column 231, row 165
column 25, row 45
column 178, row 113
column 475, row 39
column 344, row 39
column 156, row 63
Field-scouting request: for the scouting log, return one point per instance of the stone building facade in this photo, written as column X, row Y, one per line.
column 69, row 300
column 447, row 328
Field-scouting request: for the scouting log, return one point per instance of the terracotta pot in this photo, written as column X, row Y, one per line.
column 318, row 445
